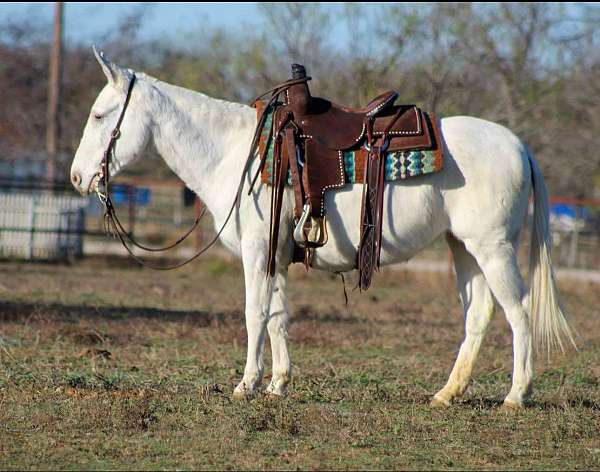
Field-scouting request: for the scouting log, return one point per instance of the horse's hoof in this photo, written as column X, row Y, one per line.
column 511, row 406
column 242, row 395
column 439, row 403
column 273, row 397
column 273, row 390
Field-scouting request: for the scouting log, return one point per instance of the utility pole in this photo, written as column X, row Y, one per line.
column 54, row 92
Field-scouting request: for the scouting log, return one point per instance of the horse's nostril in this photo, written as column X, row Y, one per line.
column 76, row 179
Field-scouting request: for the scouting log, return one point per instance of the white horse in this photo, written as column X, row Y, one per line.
column 479, row 200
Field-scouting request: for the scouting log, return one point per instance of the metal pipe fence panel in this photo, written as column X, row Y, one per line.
column 42, row 222
column 40, row 225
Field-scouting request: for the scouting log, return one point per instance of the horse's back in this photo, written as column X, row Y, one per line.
column 486, row 179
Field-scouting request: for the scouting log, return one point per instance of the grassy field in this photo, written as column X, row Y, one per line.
column 108, row 366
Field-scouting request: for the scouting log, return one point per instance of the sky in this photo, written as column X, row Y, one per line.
column 86, row 21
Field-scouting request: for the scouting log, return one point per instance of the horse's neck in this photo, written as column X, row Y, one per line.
column 204, row 141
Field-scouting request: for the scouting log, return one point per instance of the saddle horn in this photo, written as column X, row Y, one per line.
column 299, row 95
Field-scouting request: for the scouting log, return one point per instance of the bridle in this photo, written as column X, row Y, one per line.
column 113, row 225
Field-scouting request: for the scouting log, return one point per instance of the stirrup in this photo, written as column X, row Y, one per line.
column 313, row 236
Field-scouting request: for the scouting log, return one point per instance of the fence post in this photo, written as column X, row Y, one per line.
column 574, row 240
column 179, row 208
column 131, row 200
column 198, row 209
column 450, row 270
column 32, row 207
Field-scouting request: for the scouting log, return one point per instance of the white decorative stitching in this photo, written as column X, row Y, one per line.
column 362, row 133
column 327, row 187
column 380, row 106
column 400, row 133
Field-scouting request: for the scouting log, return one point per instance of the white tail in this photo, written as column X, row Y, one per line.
column 551, row 329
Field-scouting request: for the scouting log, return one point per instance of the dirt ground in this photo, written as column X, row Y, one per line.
column 104, row 365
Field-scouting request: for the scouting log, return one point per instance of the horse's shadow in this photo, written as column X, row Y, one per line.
column 18, row 311
column 25, row 312
column 544, row 405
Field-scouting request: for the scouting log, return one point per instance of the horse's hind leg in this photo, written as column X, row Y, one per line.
column 278, row 334
column 478, row 306
column 497, row 259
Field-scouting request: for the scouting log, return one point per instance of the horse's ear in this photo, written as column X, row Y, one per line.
column 116, row 76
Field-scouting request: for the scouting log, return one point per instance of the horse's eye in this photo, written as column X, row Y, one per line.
column 97, row 116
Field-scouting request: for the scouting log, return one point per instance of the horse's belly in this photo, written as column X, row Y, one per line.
column 412, row 218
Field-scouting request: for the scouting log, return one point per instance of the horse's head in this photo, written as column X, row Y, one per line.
column 134, row 130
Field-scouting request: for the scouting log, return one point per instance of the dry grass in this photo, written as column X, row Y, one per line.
column 108, row 366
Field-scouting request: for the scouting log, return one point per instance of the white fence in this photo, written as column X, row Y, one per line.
column 41, row 225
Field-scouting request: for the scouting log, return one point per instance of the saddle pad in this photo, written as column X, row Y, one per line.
column 399, row 165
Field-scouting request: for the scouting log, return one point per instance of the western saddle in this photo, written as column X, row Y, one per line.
column 309, row 137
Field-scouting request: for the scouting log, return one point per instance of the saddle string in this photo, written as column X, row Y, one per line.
column 255, row 141
column 281, row 162
column 275, row 92
column 282, row 87
column 280, row 165
column 344, row 286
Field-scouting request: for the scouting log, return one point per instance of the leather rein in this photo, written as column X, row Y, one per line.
column 113, row 225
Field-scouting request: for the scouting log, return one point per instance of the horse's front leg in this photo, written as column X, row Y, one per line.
column 254, row 257
column 278, row 334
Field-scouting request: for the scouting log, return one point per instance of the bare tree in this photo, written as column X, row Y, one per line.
column 532, row 67
column 297, row 31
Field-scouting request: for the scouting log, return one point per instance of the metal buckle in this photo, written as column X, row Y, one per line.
column 299, row 156
column 102, row 194
column 382, row 148
column 102, row 197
